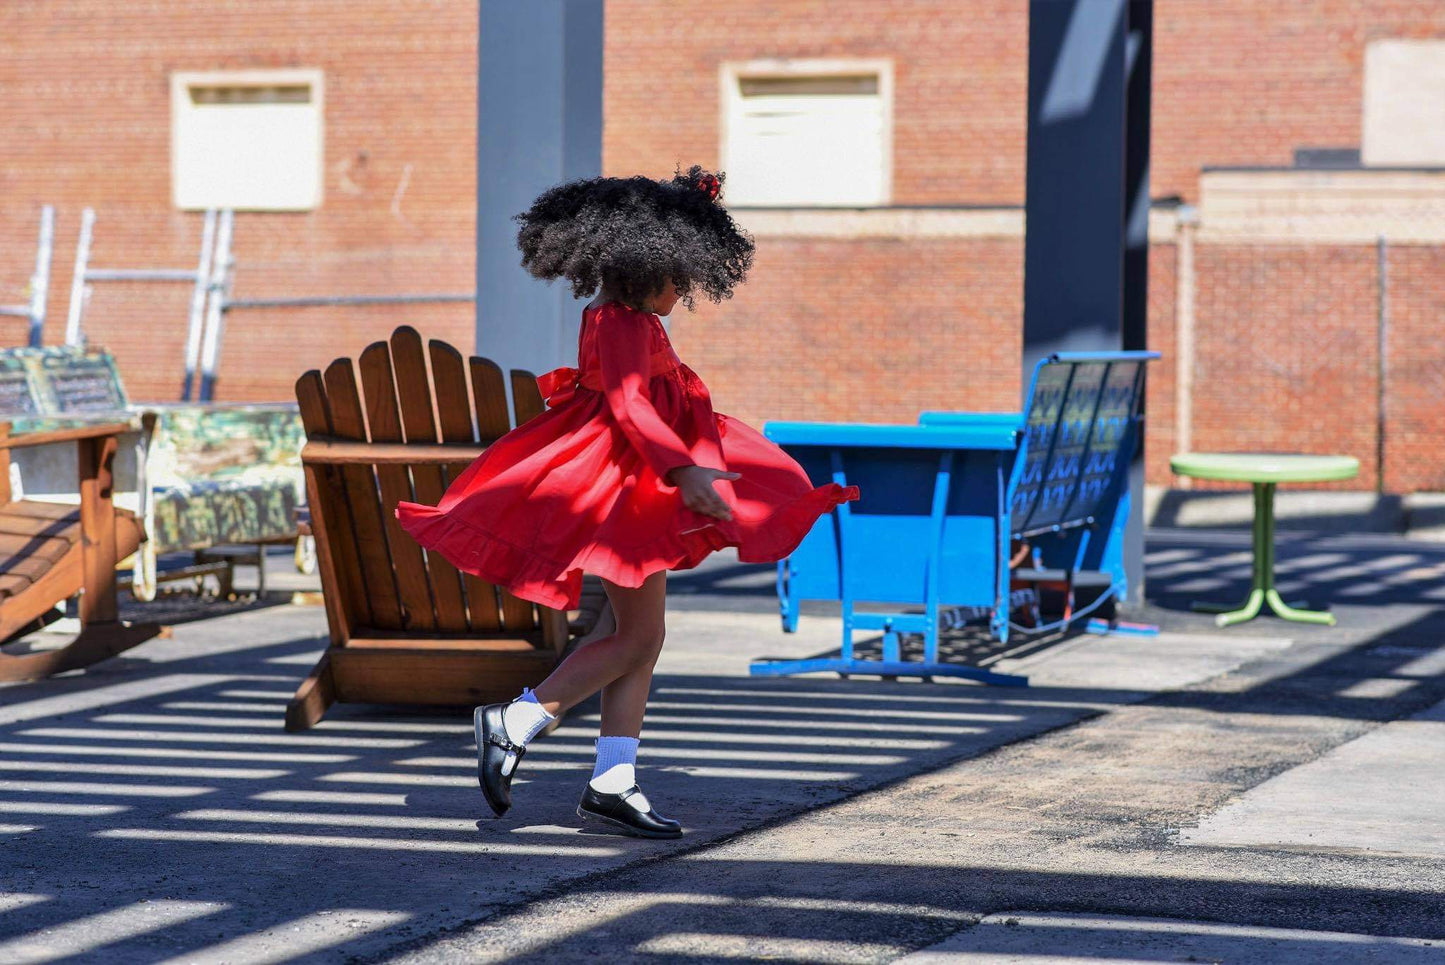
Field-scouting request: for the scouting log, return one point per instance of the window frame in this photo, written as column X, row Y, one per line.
column 311, row 77
column 732, row 73
column 1384, row 125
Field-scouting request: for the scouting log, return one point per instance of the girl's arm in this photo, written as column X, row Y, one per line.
column 624, row 349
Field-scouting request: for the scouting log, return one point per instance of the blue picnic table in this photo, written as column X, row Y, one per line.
column 942, row 502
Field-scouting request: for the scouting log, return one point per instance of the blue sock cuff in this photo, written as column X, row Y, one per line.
column 529, row 696
column 612, row 751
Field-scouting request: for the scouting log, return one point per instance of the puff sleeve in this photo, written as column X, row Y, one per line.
column 624, row 350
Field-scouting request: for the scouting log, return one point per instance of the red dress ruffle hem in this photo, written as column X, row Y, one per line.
column 580, row 487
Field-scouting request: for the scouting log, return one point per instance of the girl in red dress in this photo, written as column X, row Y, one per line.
column 628, row 474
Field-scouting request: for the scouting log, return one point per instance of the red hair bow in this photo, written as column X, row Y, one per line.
column 709, row 185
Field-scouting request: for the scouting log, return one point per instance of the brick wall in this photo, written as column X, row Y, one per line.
column 1286, row 351
column 1236, row 82
column 1160, row 414
column 1415, row 410
column 87, row 122
column 1239, row 82
column 868, row 328
column 960, row 83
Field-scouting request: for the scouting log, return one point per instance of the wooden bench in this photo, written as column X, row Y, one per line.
column 405, row 626
column 49, row 552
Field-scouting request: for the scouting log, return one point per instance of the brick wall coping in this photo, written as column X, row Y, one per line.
column 1314, row 206
column 912, row 222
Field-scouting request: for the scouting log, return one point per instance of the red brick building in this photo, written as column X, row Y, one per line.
column 899, row 290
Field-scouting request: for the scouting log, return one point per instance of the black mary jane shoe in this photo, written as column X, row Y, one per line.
column 493, row 746
column 614, row 813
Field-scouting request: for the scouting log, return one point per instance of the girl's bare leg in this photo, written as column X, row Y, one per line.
column 624, row 701
column 619, row 665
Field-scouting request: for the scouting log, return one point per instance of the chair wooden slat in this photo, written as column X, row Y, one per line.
column 39, row 510
column 40, row 548
column 17, row 524
column 527, row 404
column 454, row 403
column 478, row 608
column 413, row 386
column 30, row 566
column 527, row 401
column 12, row 584
column 347, row 422
column 337, row 549
column 484, row 605
column 416, row 395
column 384, row 417
column 490, row 394
column 338, row 452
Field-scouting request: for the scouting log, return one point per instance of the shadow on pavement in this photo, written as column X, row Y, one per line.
column 155, row 807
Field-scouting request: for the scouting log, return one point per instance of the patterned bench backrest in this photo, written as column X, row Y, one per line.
column 1079, row 436
column 230, row 442
column 58, row 380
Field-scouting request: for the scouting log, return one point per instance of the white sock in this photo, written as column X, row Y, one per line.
column 524, row 717
column 616, row 769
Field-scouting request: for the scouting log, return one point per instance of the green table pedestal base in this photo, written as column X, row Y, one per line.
column 1262, row 592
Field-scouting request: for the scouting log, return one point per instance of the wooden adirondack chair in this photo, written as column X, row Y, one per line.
column 407, row 627
column 49, row 552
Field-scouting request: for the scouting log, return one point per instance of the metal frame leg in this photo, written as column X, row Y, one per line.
column 1262, row 592
column 893, row 625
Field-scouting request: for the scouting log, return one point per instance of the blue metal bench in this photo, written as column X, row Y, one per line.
column 942, row 501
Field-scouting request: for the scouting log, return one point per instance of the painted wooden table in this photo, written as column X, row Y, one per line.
column 1265, row 471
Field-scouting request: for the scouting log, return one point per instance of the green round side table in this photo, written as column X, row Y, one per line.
column 1265, row 471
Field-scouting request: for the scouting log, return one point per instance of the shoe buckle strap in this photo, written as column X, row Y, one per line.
column 501, row 741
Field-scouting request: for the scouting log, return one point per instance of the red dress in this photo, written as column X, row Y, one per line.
column 580, row 487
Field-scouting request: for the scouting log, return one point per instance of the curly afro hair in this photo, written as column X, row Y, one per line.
column 629, row 236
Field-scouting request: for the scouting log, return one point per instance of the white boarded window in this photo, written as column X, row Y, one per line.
column 249, row 140
column 805, row 134
column 1404, row 117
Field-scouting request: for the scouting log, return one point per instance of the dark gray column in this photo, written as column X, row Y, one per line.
column 539, row 121
column 1139, row 65
column 1087, row 200
column 1074, row 202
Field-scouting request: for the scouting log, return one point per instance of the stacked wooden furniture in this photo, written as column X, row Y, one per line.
column 49, row 552
column 405, row 626
column 202, row 476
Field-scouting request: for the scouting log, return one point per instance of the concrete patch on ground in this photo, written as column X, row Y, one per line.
column 1072, row 939
column 165, row 777
column 1382, row 792
column 1122, row 662
column 1080, row 819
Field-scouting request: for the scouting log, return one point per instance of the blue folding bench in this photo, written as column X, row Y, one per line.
column 942, row 500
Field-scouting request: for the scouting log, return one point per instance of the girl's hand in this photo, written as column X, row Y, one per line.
column 695, row 483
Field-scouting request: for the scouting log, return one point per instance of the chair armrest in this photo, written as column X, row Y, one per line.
column 345, row 452
column 75, row 434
